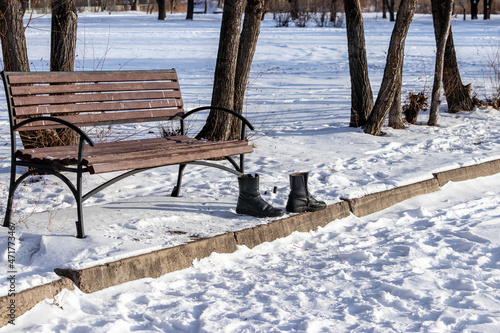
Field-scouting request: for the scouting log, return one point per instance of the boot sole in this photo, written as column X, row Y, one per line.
column 258, row 215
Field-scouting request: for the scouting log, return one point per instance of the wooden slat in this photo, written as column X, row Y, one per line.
column 96, row 107
column 99, row 119
column 102, row 148
column 92, row 87
column 168, row 160
column 53, row 77
column 153, row 152
column 160, row 143
column 94, row 97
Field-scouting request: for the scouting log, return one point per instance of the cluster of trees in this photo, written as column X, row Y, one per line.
column 62, row 54
column 236, row 50
column 325, row 13
column 372, row 116
column 237, row 45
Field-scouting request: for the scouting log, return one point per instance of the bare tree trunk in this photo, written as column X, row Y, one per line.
column 14, row 50
column 334, row 9
column 190, row 9
column 247, row 45
column 161, row 10
column 63, row 35
column 391, row 11
column 219, row 124
column 457, row 95
column 395, row 113
column 385, row 6
column 361, row 92
column 444, row 24
column 133, row 4
column 394, row 64
column 473, row 9
column 294, row 9
column 62, row 58
column 487, row 9
column 463, row 8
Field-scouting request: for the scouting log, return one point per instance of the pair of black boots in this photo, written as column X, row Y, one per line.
column 300, row 200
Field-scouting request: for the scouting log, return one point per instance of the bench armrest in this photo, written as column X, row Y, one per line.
column 57, row 120
column 237, row 115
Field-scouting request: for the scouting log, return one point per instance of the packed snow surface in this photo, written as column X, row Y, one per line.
column 428, row 264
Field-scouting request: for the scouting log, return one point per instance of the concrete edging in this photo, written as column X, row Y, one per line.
column 152, row 265
column 378, row 201
column 281, row 228
column 25, row 300
column 469, row 172
column 167, row 260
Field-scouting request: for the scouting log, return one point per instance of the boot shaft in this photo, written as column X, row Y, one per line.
column 298, row 185
column 249, row 185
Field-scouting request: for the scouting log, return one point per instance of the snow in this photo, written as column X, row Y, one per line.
column 427, row 264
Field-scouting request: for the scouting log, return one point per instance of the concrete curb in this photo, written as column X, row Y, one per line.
column 151, row 265
column 468, row 172
column 281, row 228
column 164, row 261
column 378, row 201
column 27, row 299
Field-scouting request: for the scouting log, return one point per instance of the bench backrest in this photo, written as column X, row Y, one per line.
column 92, row 98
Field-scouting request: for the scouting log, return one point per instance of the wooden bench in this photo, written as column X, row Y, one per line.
column 81, row 101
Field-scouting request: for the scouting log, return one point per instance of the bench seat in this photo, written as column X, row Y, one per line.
column 135, row 154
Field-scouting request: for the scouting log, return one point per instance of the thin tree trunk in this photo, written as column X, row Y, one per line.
column 247, row 45
column 391, row 11
column 361, row 92
column 394, row 64
column 14, row 51
column 444, row 24
column 385, row 6
column 219, row 124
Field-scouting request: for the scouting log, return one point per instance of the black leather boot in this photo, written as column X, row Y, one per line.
column 300, row 200
column 250, row 202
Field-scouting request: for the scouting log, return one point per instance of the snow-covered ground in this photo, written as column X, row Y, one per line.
column 428, row 264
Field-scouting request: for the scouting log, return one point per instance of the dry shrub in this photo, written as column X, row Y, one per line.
column 48, row 138
column 493, row 102
column 167, row 129
column 416, row 102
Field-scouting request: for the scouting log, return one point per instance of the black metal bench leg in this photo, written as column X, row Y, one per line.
column 8, row 210
column 177, row 188
column 80, row 232
column 12, row 189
